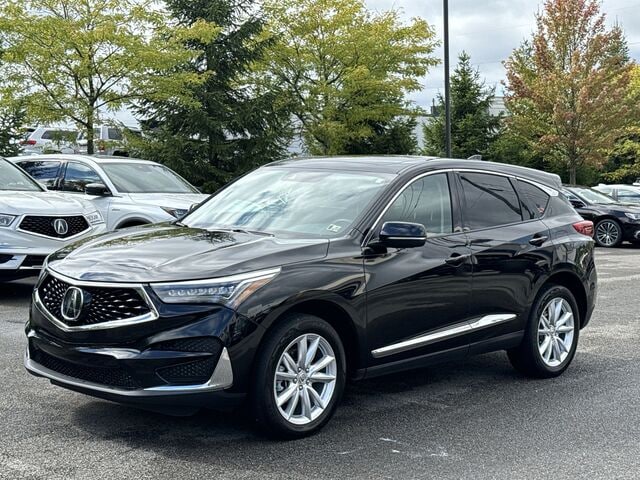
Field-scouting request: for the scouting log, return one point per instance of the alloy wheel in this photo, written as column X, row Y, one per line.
column 305, row 379
column 607, row 233
column 555, row 332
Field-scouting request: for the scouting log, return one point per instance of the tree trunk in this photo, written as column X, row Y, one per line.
column 572, row 173
column 90, row 147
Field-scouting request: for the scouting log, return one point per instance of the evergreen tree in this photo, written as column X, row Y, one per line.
column 236, row 123
column 473, row 127
column 11, row 119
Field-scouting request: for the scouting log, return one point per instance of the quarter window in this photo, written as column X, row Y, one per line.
column 77, row 176
column 488, row 201
column 426, row 201
column 532, row 200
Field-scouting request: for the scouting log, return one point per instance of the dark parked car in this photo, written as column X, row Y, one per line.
column 306, row 273
column 614, row 222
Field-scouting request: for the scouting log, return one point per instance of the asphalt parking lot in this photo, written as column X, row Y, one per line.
column 476, row 418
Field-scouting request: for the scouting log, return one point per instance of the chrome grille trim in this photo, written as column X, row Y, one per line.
column 138, row 287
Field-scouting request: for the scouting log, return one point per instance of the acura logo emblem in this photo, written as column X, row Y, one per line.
column 61, row 226
column 72, row 303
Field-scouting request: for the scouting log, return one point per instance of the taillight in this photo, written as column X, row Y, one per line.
column 585, row 228
column 28, row 142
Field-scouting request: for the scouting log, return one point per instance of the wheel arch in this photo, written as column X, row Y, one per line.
column 335, row 314
column 572, row 282
column 132, row 222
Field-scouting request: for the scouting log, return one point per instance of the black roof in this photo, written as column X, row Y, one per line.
column 398, row 164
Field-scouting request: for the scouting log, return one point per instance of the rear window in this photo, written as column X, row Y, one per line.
column 59, row 135
column 488, row 201
column 533, row 200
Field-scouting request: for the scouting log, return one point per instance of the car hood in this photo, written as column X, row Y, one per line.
column 166, row 252
column 174, row 200
column 620, row 208
column 41, row 203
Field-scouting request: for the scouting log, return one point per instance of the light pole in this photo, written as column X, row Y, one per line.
column 447, row 88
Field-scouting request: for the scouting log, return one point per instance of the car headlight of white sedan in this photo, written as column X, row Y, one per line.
column 175, row 212
column 6, row 220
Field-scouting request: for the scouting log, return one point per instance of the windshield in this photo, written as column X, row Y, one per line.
column 145, row 178
column 12, row 178
column 304, row 203
column 592, row 196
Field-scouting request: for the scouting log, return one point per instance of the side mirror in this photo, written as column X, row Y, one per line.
column 97, row 189
column 577, row 204
column 402, row 235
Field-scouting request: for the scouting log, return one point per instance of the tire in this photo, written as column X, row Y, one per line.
column 529, row 357
column 608, row 233
column 286, row 337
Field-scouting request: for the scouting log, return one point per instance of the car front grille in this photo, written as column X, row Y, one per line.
column 110, row 376
column 101, row 304
column 45, row 225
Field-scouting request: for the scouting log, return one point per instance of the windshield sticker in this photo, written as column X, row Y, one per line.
column 334, row 228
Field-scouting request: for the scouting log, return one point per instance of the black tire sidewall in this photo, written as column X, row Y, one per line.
column 531, row 335
column 620, row 233
column 263, row 401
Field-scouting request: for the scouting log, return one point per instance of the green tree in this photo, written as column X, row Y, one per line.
column 568, row 87
column 237, row 123
column 348, row 70
column 473, row 127
column 70, row 59
column 11, row 119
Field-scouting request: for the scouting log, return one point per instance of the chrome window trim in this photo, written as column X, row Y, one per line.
column 147, row 317
column 66, row 239
column 548, row 190
column 221, row 378
column 443, row 334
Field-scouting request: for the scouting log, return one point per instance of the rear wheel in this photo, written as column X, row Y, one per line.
column 551, row 335
column 300, row 377
column 608, row 233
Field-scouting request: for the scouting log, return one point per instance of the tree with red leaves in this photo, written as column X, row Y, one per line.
column 567, row 87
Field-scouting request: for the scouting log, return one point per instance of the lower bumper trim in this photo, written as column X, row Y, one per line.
column 221, row 379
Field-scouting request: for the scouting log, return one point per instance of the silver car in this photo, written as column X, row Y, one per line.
column 35, row 223
column 127, row 192
column 621, row 193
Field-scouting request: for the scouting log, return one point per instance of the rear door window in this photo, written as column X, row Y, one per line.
column 488, row 201
column 533, row 200
column 77, row 176
column 46, row 172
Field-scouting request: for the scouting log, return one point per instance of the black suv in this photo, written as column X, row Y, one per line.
column 614, row 222
column 306, row 273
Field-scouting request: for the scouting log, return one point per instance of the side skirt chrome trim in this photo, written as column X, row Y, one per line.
column 445, row 334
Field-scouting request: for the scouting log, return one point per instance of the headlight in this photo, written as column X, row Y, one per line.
column 633, row 216
column 175, row 212
column 230, row 291
column 6, row 220
column 94, row 218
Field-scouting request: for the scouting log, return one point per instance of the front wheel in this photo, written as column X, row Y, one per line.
column 608, row 233
column 300, row 377
column 551, row 335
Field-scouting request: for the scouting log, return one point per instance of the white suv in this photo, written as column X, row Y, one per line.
column 49, row 139
column 126, row 191
column 35, row 223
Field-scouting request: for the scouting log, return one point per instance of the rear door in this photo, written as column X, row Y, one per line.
column 510, row 249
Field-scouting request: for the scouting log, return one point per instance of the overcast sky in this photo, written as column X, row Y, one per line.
column 490, row 29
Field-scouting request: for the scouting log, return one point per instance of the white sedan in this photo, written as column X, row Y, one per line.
column 35, row 223
column 126, row 191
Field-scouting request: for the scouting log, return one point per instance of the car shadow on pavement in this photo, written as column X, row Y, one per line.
column 17, row 291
